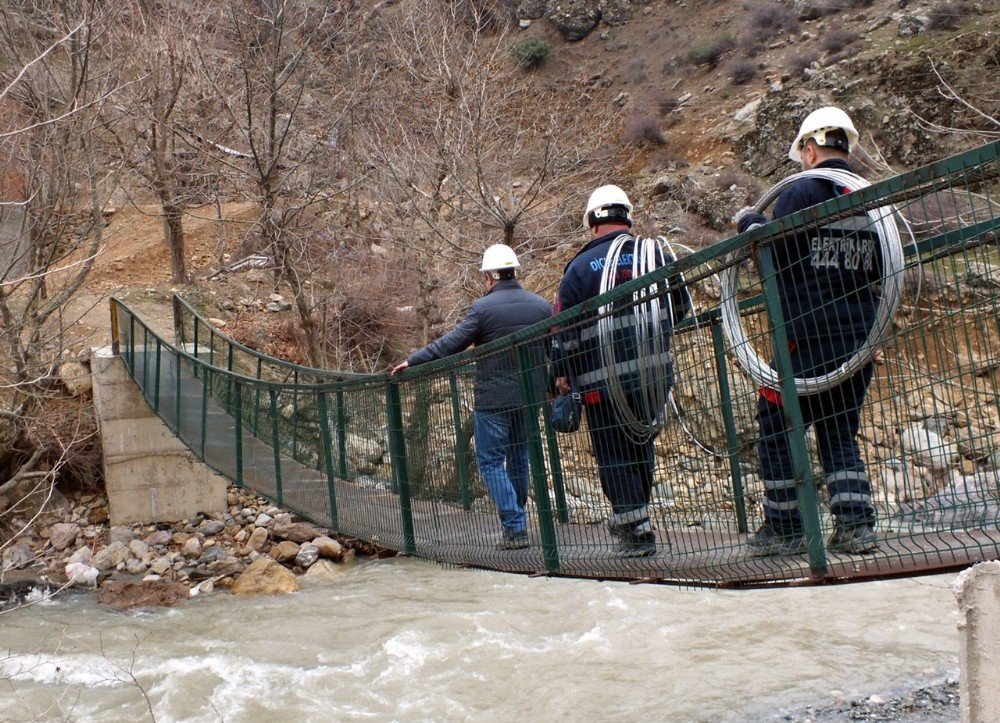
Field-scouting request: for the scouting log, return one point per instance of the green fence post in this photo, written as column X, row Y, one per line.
column 550, row 551
column 229, row 368
column 295, row 416
column 804, row 483
column 116, row 333
column 460, row 450
column 131, row 345
column 273, row 394
column 178, row 360
column 295, row 424
column 206, row 379
column 175, row 306
column 256, row 401
column 397, row 456
column 341, row 435
column 324, row 424
column 156, row 380
column 732, row 441
column 238, row 389
column 555, row 465
column 145, row 361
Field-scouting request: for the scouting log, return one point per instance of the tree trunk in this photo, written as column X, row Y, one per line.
column 173, row 232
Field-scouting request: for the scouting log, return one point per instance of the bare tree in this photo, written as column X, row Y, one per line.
column 471, row 150
column 57, row 81
column 163, row 106
column 284, row 89
column 981, row 112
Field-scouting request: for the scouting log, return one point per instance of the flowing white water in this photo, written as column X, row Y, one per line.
column 403, row 640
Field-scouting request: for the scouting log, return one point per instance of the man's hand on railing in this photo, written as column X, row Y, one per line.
column 747, row 218
column 399, row 367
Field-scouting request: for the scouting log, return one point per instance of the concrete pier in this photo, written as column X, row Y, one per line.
column 978, row 593
column 149, row 474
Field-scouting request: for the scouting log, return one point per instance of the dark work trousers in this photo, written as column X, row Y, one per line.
column 624, row 464
column 836, row 413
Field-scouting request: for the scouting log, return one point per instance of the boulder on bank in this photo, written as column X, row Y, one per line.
column 257, row 540
column 285, row 551
column 296, row 531
column 63, row 534
column 328, row 548
column 325, row 570
column 307, row 555
column 265, row 576
column 111, row 556
column 574, row 20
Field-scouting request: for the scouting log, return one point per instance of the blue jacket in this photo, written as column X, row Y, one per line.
column 506, row 308
column 826, row 274
column 576, row 349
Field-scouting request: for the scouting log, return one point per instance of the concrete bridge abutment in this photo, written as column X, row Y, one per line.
column 149, row 474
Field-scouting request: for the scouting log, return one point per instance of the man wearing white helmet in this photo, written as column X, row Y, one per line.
column 501, row 438
column 625, row 462
column 826, row 279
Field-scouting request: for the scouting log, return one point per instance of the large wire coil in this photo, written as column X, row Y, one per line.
column 883, row 221
column 650, row 308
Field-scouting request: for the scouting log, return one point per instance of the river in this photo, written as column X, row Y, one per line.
column 404, row 639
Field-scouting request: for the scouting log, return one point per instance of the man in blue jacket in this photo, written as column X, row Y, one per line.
column 624, row 457
column 501, row 438
column 826, row 277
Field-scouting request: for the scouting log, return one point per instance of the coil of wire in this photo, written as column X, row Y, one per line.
column 883, row 221
column 648, row 310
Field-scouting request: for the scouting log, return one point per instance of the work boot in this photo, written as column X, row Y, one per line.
column 854, row 539
column 767, row 542
column 619, row 529
column 511, row 540
column 635, row 544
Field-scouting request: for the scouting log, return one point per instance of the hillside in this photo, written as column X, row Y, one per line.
column 701, row 99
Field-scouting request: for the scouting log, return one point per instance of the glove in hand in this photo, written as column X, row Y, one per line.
column 747, row 217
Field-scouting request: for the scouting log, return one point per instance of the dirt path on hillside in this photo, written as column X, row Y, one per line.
column 134, row 266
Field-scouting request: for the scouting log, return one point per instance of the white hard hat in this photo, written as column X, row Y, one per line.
column 499, row 257
column 605, row 198
column 817, row 124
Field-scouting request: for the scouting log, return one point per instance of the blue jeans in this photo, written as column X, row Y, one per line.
column 502, row 456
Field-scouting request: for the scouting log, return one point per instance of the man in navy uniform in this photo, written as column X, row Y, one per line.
column 624, row 458
column 825, row 281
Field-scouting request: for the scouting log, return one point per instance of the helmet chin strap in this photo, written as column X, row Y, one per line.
column 609, row 215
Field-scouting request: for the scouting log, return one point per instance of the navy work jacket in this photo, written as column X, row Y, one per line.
column 577, row 350
column 827, row 274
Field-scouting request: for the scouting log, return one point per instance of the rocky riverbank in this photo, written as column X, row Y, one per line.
column 936, row 700
column 253, row 547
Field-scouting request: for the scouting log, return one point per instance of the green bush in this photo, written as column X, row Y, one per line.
column 712, row 53
column 531, row 52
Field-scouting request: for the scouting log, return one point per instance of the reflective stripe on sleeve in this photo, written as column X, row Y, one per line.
column 626, row 367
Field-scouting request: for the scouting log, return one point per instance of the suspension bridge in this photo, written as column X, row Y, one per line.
column 391, row 460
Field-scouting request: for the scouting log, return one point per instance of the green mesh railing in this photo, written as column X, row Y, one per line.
column 392, row 461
